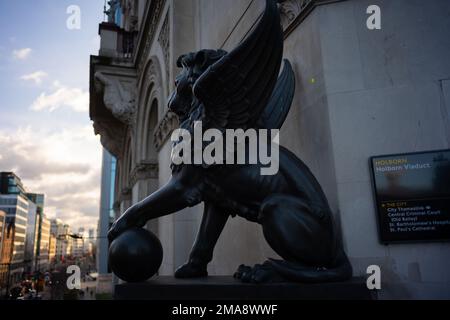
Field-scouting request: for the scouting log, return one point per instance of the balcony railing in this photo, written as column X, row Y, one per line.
column 116, row 42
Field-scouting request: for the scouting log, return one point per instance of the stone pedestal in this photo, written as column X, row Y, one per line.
column 227, row 288
column 104, row 283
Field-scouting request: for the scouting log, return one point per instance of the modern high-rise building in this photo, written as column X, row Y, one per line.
column 68, row 240
column 41, row 233
column 77, row 250
column 63, row 239
column 90, row 245
column 3, row 268
column 18, row 208
column 80, row 244
column 56, row 227
column 42, row 256
column 2, row 226
column 31, row 239
column 11, row 184
column 52, row 249
column 92, row 233
column 105, row 220
column 6, row 252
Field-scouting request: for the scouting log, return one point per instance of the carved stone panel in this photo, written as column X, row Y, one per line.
column 164, row 130
column 156, row 9
column 291, row 9
column 144, row 171
column 119, row 96
column 164, row 41
column 293, row 12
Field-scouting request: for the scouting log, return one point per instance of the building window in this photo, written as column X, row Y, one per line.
column 8, row 202
column 13, row 190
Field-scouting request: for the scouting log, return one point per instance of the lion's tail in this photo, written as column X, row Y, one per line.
column 292, row 271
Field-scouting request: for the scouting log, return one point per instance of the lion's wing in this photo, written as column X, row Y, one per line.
column 280, row 102
column 236, row 89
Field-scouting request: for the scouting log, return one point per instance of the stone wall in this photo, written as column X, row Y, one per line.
column 359, row 93
column 386, row 94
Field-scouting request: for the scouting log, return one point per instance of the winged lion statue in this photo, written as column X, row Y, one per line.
column 244, row 89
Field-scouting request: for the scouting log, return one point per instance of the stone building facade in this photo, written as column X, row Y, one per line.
column 360, row 93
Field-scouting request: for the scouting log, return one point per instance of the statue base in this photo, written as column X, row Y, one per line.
column 227, row 288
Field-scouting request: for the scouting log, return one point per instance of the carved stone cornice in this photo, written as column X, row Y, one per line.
column 293, row 12
column 164, row 130
column 144, row 171
column 119, row 96
column 112, row 105
column 113, row 84
column 290, row 9
column 148, row 33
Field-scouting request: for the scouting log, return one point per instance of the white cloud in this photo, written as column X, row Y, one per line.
column 63, row 165
column 62, row 96
column 37, row 77
column 22, row 54
column 95, row 43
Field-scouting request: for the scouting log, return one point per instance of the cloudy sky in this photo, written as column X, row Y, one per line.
column 46, row 136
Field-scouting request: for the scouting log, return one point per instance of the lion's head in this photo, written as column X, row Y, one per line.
column 194, row 64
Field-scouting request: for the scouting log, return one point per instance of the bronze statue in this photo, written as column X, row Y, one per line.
column 242, row 90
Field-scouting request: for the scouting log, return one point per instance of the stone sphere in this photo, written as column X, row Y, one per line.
column 135, row 255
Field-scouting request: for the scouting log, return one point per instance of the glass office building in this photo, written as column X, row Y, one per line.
column 22, row 217
column 2, row 227
column 17, row 207
column 107, row 215
column 41, row 236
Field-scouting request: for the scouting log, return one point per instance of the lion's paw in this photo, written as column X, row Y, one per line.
column 258, row 274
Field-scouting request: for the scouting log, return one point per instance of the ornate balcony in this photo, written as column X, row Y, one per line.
column 116, row 42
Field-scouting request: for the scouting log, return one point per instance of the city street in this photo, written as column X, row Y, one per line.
column 88, row 290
